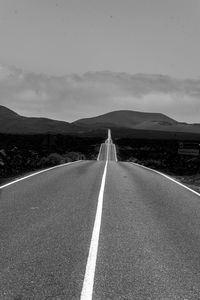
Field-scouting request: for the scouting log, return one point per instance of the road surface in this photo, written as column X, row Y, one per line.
column 148, row 246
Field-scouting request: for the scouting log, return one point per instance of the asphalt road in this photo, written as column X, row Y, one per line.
column 149, row 243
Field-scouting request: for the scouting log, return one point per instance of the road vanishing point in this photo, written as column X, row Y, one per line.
column 99, row 229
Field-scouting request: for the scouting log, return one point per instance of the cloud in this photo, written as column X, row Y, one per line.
column 76, row 96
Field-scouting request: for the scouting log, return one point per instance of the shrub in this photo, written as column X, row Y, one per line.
column 52, row 159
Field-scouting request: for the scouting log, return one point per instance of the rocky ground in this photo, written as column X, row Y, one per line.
column 192, row 181
column 21, row 155
column 164, row 157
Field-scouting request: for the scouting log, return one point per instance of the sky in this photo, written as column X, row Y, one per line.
column 68, row 59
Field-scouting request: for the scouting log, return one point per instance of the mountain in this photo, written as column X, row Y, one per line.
column 138, row 121
column 126, row 118
column 11, row 122
column 123, row 123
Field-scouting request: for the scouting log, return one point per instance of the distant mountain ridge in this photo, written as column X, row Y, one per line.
column 119, row 121
column 138, row 121
column 126, row 118
column 11, row 122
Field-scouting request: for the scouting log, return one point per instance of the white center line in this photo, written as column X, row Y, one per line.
column 88, row 282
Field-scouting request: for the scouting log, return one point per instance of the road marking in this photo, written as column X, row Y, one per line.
column 36, row 173
column 107, row 156
column 115, row 152
column 99, row 152
column 88, row 282
column 168, row 177
column 109, row 134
